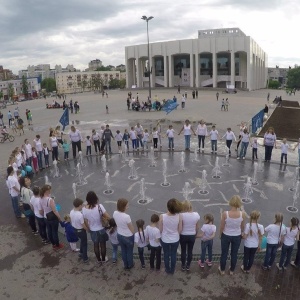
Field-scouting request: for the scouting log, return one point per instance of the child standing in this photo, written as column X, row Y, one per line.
column 170, row 134
column 112, row 234
column 253, row 236
column 119, row 138
column 254, row 146
column 154, row 241
column 146, row 139
column 141, row 239
column 70, row 233
column 207, row 233
column 35, row 160
column 46, row 155
column 155, row 138
column 284, row 150
column 88, row 143
column 289, row 237
column 214, row 134
column 132, row 135
column 126, row 138
column 66, row 147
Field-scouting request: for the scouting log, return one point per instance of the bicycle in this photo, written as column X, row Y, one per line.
column 9, row 137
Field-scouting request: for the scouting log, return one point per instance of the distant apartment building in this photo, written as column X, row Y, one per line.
column 95, row 64
column 278, row 74
column 76, row 82
column 6, row 74
column 121, row 68
column 44, row 71
column 16, row 84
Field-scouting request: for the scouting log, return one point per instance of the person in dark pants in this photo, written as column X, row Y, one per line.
column 75, row 138
column 107, row 136
column 230, row 136
column 269, row 143
column 231, row 228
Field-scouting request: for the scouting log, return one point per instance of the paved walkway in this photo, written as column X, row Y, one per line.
column 32, row 271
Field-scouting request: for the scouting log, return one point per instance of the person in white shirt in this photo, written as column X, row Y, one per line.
column 28, row 151
column 139, row 132
column 242, row 126
column 254, row 146
column 141, row 239
column 125, row 233
column 245, row 138
column 36, row 204
column 187, row 131
column 231, row 228
column 92, row 213
column 289, row 237
column 53, row 146
column 77, row 221
column 230, row 136
column 96, row 141
column 214, row 134
column 207, row 234
column 88, row 143
column 274, row 237
column 154, row 241
column 202, row 133
column 39, row 148
column 284, row 150
column 155, row 135
column 190, row 227
column 119, row 138
column 75, row 138
column 170, row 226
column 132, row 134
column 252, row 240
column 269, row 143
column 170, row 134
column 113, row 237
column 146, row 138
column 14, row 191
column 183, row 100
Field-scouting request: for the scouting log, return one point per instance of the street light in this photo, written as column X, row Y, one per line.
column 147, row 19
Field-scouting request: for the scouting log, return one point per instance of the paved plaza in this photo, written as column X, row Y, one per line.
column 32, row 271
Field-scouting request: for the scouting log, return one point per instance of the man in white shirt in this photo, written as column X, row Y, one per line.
column 230, row 136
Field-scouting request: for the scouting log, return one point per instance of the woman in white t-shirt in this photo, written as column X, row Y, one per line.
column 170, row 226
column 242, row 127
column 190, row 227
column 28, row 151
column 53, row 145
column 269, row 143
column 39, row 149
column 245, row 138
column 202, row 133
column 92, row 214
column 289, row 237
column 231, row 228
column 252, row 235
column 187, row 131
column 274, row 236
column 125, row 233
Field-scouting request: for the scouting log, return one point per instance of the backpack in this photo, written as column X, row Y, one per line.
column 20, row 121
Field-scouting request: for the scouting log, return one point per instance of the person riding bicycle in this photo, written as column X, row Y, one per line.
column 4, row 132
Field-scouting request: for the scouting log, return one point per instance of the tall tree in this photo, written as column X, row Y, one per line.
column 49, row 84
column 293, row 81
column 1, row 95
column 11, row 90
column 25, row 86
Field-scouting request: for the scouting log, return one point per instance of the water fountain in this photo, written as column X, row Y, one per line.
column 226, row 163
column 260, row 166
column 108, row 185
column 165, row 183
column 81, row 159
column 79, row 175
column 47, row 180
column 248, row 190
column 152, row 158
column 296, row 178
column 203, row 184
column 293, row 208
column 182, row 163
column 216, row 170
column 125, row 153
column 143, row 198
column 103, row 162
column 133, row 173
column 254, row 176
column 56, row 170
column 187, row 190
column 74, row 189
column 196, row 155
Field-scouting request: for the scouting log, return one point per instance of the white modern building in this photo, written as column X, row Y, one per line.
column 76, row 82
column 217, row 58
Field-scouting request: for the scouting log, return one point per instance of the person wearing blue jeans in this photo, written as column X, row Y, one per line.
column 114, row 252
column 14, row 190
column 245, row 138
column 171, row 142
column 52, row 230
column 187, row 131
column 187, row 244
column 16, row 207
column 206, row 245
column 243, row 150
column 286, row 254
column 126, row 244
column 270, row 255
column 170, row 255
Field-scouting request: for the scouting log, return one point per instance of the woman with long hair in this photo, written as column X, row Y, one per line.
column 269, row 143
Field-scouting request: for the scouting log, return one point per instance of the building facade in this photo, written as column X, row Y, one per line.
column 77, row 82
column 94, row 64
column 278, row 74
column 6, row 74
column 217, row 58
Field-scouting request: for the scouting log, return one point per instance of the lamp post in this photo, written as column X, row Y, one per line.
column 147, row 19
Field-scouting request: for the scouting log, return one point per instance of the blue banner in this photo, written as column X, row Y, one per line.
column 64, row 120
column 169, row 106
column 257, row 121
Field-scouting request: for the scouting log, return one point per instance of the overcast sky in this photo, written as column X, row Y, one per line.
column 76, row 31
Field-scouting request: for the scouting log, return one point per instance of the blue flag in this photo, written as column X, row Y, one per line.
column 169, row 106
column 64, row 120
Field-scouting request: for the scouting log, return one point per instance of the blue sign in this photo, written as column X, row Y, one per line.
column 169, row 106
column 64, row 120
column 257, row 121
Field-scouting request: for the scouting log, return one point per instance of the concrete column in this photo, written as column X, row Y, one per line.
column 153, row 72
column 214, row 59
column 139, row 76
column 232, row 68
column 197, row 70
column 129, row 73
column 249, row 71
column 134, row 71
column 166, row 71
column 171, row 71
column 192, row 79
